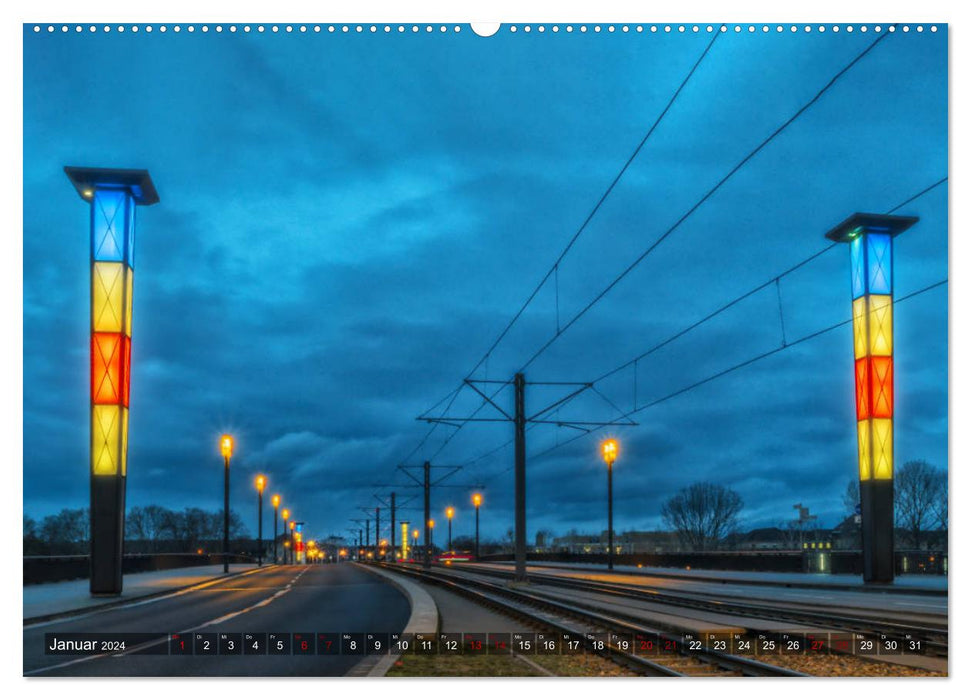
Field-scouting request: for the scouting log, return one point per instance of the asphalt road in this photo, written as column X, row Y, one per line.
column 312, row 599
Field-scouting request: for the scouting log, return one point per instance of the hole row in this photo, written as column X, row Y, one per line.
column 513, row 28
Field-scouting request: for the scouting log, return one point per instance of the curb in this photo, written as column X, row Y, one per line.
column 91, row 609
column 424, row 618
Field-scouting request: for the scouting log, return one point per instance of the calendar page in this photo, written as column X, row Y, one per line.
column 519, row 349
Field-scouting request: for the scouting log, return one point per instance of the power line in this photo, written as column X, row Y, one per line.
column 724, row 308
column 554, row 267
column 745, row 363
column 596, row 207
column 701, row 201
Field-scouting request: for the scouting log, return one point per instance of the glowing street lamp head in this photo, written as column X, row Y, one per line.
column 414, row 534
column 431, row 523
column 286, row 544
column 477, row 499
column 449, row 512
column 226, row 446
column 609, row 448
column 285, row 514
column 276, row 500
column 260, row 483
column 292, row 525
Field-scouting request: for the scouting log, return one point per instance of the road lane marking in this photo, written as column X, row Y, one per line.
column 137, row 603
column 266, row 601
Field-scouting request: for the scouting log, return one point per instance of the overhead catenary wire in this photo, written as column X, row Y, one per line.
column 728, row 370
column 562, row 328
column 554, row 268
column 684, row 217
column 750, row 361
column 721, row 309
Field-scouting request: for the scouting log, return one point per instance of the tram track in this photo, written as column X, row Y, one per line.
column 557, row 615
column 933, row 638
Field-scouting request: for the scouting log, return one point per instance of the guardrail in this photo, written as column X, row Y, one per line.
column 46, row 569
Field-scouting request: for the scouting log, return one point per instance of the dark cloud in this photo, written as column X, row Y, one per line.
column 348, row 222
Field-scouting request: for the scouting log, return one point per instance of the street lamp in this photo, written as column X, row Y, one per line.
column 260, row 484
column 113, row 196
column 226, row 447
column 450, row 513
column 609, row 448
column 276, row 505
column 431, row 537
column 286, row 516
column 477, row 501
column 414, row 535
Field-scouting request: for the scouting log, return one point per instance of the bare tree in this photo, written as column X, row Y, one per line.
column 918, row 493
column 135, row 524
column 851, row 498
column 791, row 533
column 941, row 510
column 66, row 532
column 703, row 513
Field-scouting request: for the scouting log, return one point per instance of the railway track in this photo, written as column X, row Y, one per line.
column 932, row 638
column 549, row 613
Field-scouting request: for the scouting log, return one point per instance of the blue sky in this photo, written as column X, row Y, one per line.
column 348, row 221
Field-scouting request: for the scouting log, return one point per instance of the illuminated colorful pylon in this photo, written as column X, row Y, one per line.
column 871, row 284
column 113, row 196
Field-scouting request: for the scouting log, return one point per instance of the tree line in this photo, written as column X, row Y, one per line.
column 920, row 503
column 705, row 514
column 148, row 529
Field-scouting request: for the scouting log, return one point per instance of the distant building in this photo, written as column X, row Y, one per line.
column 629, row 542
column 848, row 534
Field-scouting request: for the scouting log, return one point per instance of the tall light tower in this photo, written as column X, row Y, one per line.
column 871, row 285
column 113, row 196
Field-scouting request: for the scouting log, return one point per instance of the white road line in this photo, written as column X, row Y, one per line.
column 137, row 603
column 266, row 601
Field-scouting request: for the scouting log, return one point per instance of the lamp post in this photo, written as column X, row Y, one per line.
column 226, row 446
column 113, row 196
column 276, row 505
column 286, row 516
column 477, row 501
column 870, row 237
column 431, row 538
column 260, row 484
column 450, row 513
column 414, row 535
column 610, row 454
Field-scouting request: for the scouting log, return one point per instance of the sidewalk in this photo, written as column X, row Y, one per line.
column 906, row 583
column 48, row 599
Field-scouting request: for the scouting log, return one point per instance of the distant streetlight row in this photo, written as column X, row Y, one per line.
column 226, row 444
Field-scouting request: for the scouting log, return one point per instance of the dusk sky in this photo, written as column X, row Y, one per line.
column 348, row 221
